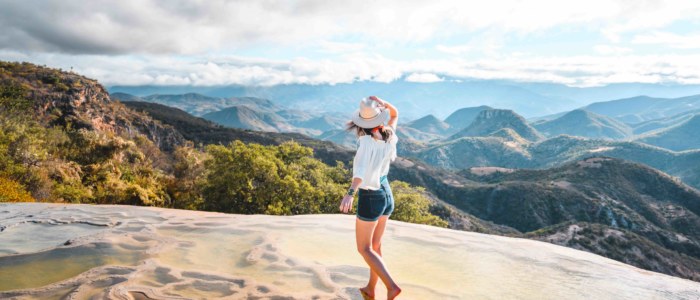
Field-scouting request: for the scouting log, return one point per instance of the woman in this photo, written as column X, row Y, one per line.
column 376, row 149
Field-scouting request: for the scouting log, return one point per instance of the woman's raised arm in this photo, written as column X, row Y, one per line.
column 393, row 112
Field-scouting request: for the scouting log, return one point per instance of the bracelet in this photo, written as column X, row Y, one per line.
column 351, row 192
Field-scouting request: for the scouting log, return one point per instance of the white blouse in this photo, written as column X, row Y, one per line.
column 372, row 160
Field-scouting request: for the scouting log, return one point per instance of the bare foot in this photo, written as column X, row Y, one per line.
column 367, row 293
column 392, row 293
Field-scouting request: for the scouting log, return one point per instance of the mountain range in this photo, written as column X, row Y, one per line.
column 661, row 123
column 628, row 118
column 489, row 121
column 643, row 108
column 678, row 137
column 499, row 152
column 246, row 113
column 198, row 104
column 485, row 136
column 638, row 118
column 441, row 98
column 429, row 124
column 584, row 123
column 263, row 115
column 625, row 200
column 247, row 118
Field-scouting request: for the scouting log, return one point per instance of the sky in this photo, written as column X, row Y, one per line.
column 264, row 42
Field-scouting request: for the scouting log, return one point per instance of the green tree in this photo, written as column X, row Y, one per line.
column 280, row 180
column 23, row 149
column 188, row 177
column 412, row 205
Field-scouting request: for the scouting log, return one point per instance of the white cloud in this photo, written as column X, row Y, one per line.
column 198, row 27
column 208, row 71
column 340, row 47
column 669, row 39
column 459, row 49
column 645, row 15
column 132, row 42
column 423, row 77
column 611, row 50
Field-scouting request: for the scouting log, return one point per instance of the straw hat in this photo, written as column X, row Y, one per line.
column 370, row 115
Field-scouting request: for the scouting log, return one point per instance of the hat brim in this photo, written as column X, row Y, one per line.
column 379, row 119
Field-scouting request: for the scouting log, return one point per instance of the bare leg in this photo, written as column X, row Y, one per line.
column 364, row 232
column 377, row 247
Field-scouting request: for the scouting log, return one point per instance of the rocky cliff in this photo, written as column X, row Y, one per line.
column 68, row 99
column 491, row 120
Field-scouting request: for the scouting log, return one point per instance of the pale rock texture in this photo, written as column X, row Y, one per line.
column 124, row 252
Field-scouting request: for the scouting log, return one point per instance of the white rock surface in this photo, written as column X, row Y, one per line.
column 52, row 251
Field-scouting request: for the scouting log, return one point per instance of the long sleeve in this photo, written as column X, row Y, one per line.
column 361, row 160
column 393, row 140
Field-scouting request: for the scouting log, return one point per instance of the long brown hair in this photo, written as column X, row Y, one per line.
column 386, row 131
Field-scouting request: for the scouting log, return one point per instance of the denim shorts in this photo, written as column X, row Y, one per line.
column 371, row 204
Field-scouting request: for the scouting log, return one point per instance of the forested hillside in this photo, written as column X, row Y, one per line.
column 63, row 139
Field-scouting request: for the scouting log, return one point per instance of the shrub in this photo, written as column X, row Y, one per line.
column 12, row 98
column 61, row 87
column 412, row 205
column 278, row 180
column 188, row 176
column 13, row 191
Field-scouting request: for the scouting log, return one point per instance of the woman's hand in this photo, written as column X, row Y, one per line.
column 379, row 101
column 393, row 112
column 346, row 204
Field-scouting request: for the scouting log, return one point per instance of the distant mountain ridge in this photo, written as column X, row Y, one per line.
column 430, row 129
column 198, row 104
column 464, row 117
column 583, row 123
column 248, row 118
column 245, row 113
column 661, row 123
column 268, row 116
column 527, row 98
column 664, row 122
column 204, row 132
column 680, row 137
column 498, row 138
column 410, row 96
column 491, row 120
column 429, row 124
column 493, row 151
column 643, row 108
